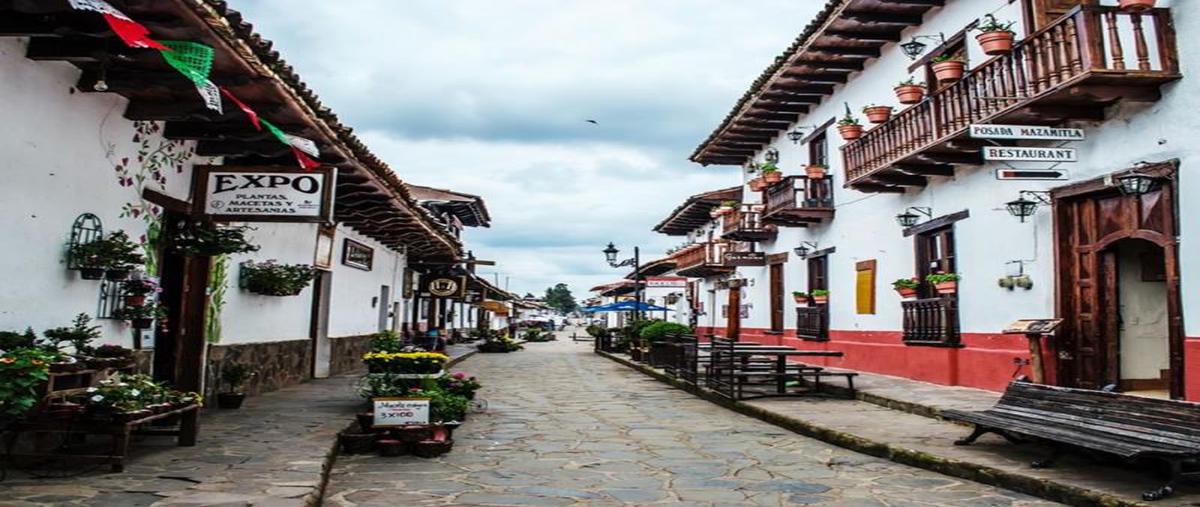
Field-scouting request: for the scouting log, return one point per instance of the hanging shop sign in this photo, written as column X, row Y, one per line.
column 748, row 259
column 275, row 194
column 1028, row 154
column 1026, row 133
column 668, row 282
column 450, row 287
column 392, row 412
column 1032, row 174
column 357, row 255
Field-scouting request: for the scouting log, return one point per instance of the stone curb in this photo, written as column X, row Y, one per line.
column 1042, row 488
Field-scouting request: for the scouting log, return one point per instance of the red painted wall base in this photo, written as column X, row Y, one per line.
column 985, row 361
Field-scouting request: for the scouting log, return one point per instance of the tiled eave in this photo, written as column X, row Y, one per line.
column 836, row 44
column 694, row 212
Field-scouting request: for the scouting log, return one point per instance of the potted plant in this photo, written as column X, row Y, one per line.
column 136, row 290
column 949, row 68
column 111, row 257
column 234, row 376
column 111, row 356
column 204, row 240
column 726, row 208
column 770, row 173
column 1136, row 5
column 23, row 375
column 849, row 126
column 910, row 92
column 878, row 114
column 79, row 335
column 273, row 279
column 995, row 37
column 140, row 317
column 945, row 283
column 820, row 296
column 906, row 287
column 815, row 171
column 801, row 298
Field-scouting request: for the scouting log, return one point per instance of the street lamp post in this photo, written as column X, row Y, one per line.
column 610, row 254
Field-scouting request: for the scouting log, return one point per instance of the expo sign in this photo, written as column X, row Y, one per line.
column 264, row 194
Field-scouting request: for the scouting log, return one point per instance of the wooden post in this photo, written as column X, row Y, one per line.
column 1037, row 366
column 733, row 320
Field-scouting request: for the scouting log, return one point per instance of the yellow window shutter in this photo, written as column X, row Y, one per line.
column 865, row 287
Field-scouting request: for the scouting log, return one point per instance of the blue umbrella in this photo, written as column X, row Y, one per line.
column 630, row 306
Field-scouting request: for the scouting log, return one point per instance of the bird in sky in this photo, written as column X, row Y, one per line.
column 593, row 122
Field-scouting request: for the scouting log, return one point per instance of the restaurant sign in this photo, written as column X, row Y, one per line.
column 274, row 194
column 392, row 412
column 748, row 259
column 1025, row 154
column 1026, row 133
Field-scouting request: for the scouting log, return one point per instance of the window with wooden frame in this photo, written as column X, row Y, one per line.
column 934, row 254
column 933, row 319
column 812, row 321
column 818, row 273
column 818, row 150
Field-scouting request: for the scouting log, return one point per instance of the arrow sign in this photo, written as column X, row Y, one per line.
column 1031, row 174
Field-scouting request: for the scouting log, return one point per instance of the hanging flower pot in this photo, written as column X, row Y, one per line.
column 949, row 69
column 850, row 132
column 815, row 171
column 996, row 43
column 909, row 93
column 906, row 287
column 772, row 177
column 878, row 114
column 1136, row 5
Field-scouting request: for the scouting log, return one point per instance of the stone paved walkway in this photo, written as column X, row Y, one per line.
column 565, row 427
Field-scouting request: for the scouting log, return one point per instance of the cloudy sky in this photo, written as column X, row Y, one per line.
column 491, row 97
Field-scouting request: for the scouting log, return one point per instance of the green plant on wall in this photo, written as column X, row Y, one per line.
column 218, row 279
column 156, row 158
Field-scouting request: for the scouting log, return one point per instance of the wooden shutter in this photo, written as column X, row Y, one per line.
column 1042, row 12
column 865, row 287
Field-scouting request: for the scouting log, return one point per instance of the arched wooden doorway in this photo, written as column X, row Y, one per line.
column 1094, row 224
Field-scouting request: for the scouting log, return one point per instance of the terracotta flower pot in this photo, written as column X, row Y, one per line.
column 230, row 400
column 907, row 293
column 772, row 177
column 850, row 132
column 950, row 287
column 139, row 300
column 758, row 184
column 910, row 94
column 820, row 300
column 950, row 70
column 432, row 448
column 815, row 172
column 1136, row 5
column 996, row 43
column 878, row 114
column 800, row 300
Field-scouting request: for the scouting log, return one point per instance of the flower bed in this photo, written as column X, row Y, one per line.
column 405, row 362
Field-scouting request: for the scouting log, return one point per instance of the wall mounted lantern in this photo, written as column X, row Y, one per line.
column 914, row 47
column 771, row 155
column 910, row 216
column 805, row 247
column 796, row 135
column 1024, row 207
column 1135, row 183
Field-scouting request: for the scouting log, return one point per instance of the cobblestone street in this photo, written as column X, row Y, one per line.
column 565, row 427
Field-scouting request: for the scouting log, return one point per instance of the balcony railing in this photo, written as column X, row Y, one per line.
column 702, row 259
column 746, row 224
column 798, row 200
column 812, row 322
column 932, row 321
column 1070, row 69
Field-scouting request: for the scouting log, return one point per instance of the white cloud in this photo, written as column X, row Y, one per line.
column 490, row 98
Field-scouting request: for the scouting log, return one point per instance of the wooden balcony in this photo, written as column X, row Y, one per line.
column 932, row 321
column 702, row 260
column 1087, row 60
column 746, row 224
column 812, row 323
column 798, row 201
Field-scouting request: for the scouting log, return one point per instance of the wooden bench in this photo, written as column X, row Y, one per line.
column 1129, row 427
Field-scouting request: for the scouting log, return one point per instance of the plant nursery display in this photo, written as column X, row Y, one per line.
column 273, row 279
column 113, row 257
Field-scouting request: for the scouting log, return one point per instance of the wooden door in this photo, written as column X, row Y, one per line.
column 1039, row 13
column 777, row 297
column 1089, row 220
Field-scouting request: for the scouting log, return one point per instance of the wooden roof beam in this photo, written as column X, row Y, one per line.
column 867, row 51
column 236, row 130
column 803, row 76
column 865, row 35
column 830, row 64
column 146, row 110
column 780, row 107
column 883, row 18
column 780, row 96
column 767, row 114
column 822, row 89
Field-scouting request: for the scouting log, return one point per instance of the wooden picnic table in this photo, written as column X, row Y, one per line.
column 781, row 357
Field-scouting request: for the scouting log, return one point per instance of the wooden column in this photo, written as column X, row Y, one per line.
column 189, row 365
column 733, row 319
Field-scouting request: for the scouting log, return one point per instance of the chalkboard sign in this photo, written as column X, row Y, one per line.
column 391, row 412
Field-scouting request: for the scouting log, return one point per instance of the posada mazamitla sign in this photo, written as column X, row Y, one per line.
column 263, row 194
